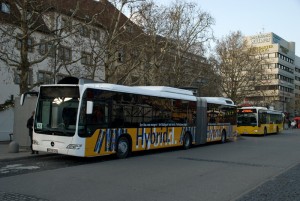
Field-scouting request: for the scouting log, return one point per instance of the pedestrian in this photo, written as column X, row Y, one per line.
column 30, row 128
column 286, row 124
column 293, row 124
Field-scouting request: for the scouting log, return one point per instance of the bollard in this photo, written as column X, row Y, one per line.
column 13, row 147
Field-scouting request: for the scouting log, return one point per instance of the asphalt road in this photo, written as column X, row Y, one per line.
column 250, row 168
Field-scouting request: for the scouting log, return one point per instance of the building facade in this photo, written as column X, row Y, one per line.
column 281, row 81
column 61, row 43
column 80, row 38
column 297, row 86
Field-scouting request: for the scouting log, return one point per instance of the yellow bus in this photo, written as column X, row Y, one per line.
column 93, row 119
column 259, row 121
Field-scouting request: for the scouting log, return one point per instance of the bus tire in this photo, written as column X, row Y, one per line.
column 223, row 137
column 187, row 141
column 123, row 147
column 265, row 131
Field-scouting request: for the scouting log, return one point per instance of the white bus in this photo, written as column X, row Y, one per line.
column 93, row 119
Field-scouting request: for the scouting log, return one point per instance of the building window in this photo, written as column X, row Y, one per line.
column 65, row 53
column 284, row 58
column 128, row 28
column 272, row 65
column 43, row 49
column 95, row 34
column 46, row 48
column 86, row 58
column 66, row 24
column 29, row 43
column 84, row 31
column 17, row 79
column 51, row 49
column 120, row 56
column 44, row 77
column 5, row 7
column 272, row 55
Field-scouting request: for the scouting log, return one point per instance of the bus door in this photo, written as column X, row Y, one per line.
column 201, row 121
column 272, row 125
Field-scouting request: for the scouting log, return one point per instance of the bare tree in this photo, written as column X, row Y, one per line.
column 23, row 20
column 152, row 19
column 122, row 42
column 240, row 67
column 29, row 28
column 191, row 29
column 177, row 34
column 36, row 33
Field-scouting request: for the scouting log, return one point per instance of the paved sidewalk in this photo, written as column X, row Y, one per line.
column 24, row 152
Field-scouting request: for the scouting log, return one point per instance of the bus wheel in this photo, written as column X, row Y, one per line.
column 223, row 137
column 187, row 142
column 265, row 132
column 123, row 149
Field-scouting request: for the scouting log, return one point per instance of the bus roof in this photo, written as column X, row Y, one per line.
column 167, row 89
column 271, row 111
column 254, row 107
column 219, row 100
column 159, row 91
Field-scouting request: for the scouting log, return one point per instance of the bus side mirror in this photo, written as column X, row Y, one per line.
column 89, row 107
column 22, row 99
column 23, row 96
column 259, row 124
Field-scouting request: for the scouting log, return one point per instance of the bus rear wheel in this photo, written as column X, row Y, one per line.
column 123, row 148
column 187, row 141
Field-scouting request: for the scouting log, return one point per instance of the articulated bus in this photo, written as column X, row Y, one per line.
column 259, row 121
column 93, row 119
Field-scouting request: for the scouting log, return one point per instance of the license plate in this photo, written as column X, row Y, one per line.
column 55, row 151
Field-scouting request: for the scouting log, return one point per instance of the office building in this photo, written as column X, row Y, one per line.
column 281, row 81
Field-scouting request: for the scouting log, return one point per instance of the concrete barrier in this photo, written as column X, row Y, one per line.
column 13, row 147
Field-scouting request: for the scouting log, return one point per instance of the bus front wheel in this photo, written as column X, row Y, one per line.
column 187, row 141
column 123, row 149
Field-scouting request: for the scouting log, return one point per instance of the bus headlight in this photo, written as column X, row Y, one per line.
column 255, row 131
column 74, row 146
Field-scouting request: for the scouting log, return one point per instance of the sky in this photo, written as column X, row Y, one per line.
column 253, row 17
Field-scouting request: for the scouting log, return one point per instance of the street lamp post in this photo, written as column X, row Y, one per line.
column 283, row 103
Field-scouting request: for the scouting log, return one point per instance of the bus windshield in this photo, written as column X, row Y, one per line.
column 247, row 119
column 57, row 110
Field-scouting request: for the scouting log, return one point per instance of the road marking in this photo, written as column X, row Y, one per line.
column 9, row 196
column 225, row 162
column 16, row 168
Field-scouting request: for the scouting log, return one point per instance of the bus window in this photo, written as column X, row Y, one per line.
column 69, row 116
column 98, row 114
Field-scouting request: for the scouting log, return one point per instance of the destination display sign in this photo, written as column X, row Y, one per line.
column 246, row 110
